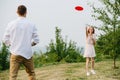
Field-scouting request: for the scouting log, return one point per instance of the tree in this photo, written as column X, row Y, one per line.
column 109, row 15
column 63, row 50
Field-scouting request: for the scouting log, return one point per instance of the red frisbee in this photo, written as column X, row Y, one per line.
column 79, row 8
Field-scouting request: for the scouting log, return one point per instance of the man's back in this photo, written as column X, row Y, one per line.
column 21, row 32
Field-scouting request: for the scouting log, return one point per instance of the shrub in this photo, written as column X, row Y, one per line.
column 4, row 57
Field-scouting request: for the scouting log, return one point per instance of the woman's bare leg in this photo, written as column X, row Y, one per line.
column 87, row 64
column 92, row 63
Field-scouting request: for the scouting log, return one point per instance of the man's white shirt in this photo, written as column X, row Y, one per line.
column 20, row 34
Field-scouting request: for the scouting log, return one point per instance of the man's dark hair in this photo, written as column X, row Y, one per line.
column 21, row 10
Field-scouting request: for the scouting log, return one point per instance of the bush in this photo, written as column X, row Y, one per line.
column 51, row 57
column 39, row 60
column 4, row 57
column 45, row 59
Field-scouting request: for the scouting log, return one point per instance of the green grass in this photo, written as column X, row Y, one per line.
column 70, row 71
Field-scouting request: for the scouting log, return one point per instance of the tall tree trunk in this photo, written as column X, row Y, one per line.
column 114, row 63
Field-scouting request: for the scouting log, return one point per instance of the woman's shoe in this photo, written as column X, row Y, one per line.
column 88, row 74
column 93, row 72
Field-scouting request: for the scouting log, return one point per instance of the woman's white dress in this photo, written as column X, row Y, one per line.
column 89, row 49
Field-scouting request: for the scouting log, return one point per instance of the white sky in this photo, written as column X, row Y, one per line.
column 47, row 14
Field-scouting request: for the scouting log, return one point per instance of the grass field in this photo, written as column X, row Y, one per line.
column 70, row 71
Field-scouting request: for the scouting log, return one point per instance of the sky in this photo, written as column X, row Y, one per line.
column 48, row 14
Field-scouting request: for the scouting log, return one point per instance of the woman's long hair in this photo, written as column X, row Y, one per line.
column 87, row 30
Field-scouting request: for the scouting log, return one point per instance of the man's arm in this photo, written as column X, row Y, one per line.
column 35, row 37
column 6, row 37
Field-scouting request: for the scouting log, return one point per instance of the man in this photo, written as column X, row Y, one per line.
column 20, row 35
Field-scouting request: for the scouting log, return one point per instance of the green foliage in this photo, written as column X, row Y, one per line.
column 51, row 57
column 39, row 60
column 109, row 15
column 43, row 59
column 105, row 44
column 63, row 50
column 4, row 54
column 73, row 53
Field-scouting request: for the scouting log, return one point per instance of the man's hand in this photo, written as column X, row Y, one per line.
column 33, row 44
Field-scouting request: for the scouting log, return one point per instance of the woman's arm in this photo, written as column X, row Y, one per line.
column 94, row 40
column 86, row 32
